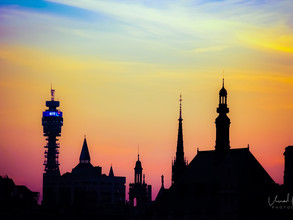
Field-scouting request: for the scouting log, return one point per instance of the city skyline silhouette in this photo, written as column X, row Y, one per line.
column 118, row 68
column 227, row 177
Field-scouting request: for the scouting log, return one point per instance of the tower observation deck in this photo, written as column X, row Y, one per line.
column 52, row 122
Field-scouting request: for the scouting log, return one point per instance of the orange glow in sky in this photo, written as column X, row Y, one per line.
column 118, row 68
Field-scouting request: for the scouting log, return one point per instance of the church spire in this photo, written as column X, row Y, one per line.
column 179, row 162
column 180, row 152
column 222, row 122
column 180, row 110
column 84, row 155
column 111, row 173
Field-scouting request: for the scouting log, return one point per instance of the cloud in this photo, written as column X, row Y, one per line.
column 215, row 22
column 208, row 49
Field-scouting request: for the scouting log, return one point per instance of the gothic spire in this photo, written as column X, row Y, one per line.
column 179, row 163
column 180, row 152
column 180, row 111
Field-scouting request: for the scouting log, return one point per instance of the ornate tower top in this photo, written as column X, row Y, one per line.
column 138, row 172
column 222, row 122
column 223, row 109
column 138, row 163
column 223, row 91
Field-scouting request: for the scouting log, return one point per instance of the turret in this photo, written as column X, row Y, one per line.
column 222, row 123
column 138, row 172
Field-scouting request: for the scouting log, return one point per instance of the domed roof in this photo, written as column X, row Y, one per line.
column 223, row 92
column 138, row 163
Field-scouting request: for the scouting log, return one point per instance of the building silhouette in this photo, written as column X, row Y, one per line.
column 140, row 193
column 223, row 183
column 288, row 171
column 16, row 200
column 179, row 164
column 52, row 122
column 86, row 188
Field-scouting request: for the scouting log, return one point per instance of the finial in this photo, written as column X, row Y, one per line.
column 162, row 180
column 85, row 136
column 138, row 152
column 180, row 100
column 223, row 82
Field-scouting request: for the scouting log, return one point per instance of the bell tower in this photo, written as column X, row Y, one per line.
column 222, row 122
column 138, row 172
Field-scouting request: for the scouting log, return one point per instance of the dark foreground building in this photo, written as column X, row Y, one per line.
column 224, row 183
column 16, row 200
column 86, row 189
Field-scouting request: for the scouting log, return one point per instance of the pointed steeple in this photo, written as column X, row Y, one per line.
column 111, row 173
column 179, row 163
column 180, row 152
column 84, row 155
column 162, row 189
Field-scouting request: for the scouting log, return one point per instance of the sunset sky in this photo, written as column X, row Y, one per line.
column 118, row 68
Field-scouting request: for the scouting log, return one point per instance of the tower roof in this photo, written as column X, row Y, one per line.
column 180, row 151
column 138, row 163
column 111, row 173
column 84, row 155
column 223, row 91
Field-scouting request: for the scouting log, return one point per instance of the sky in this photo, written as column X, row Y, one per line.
column 118, row 68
